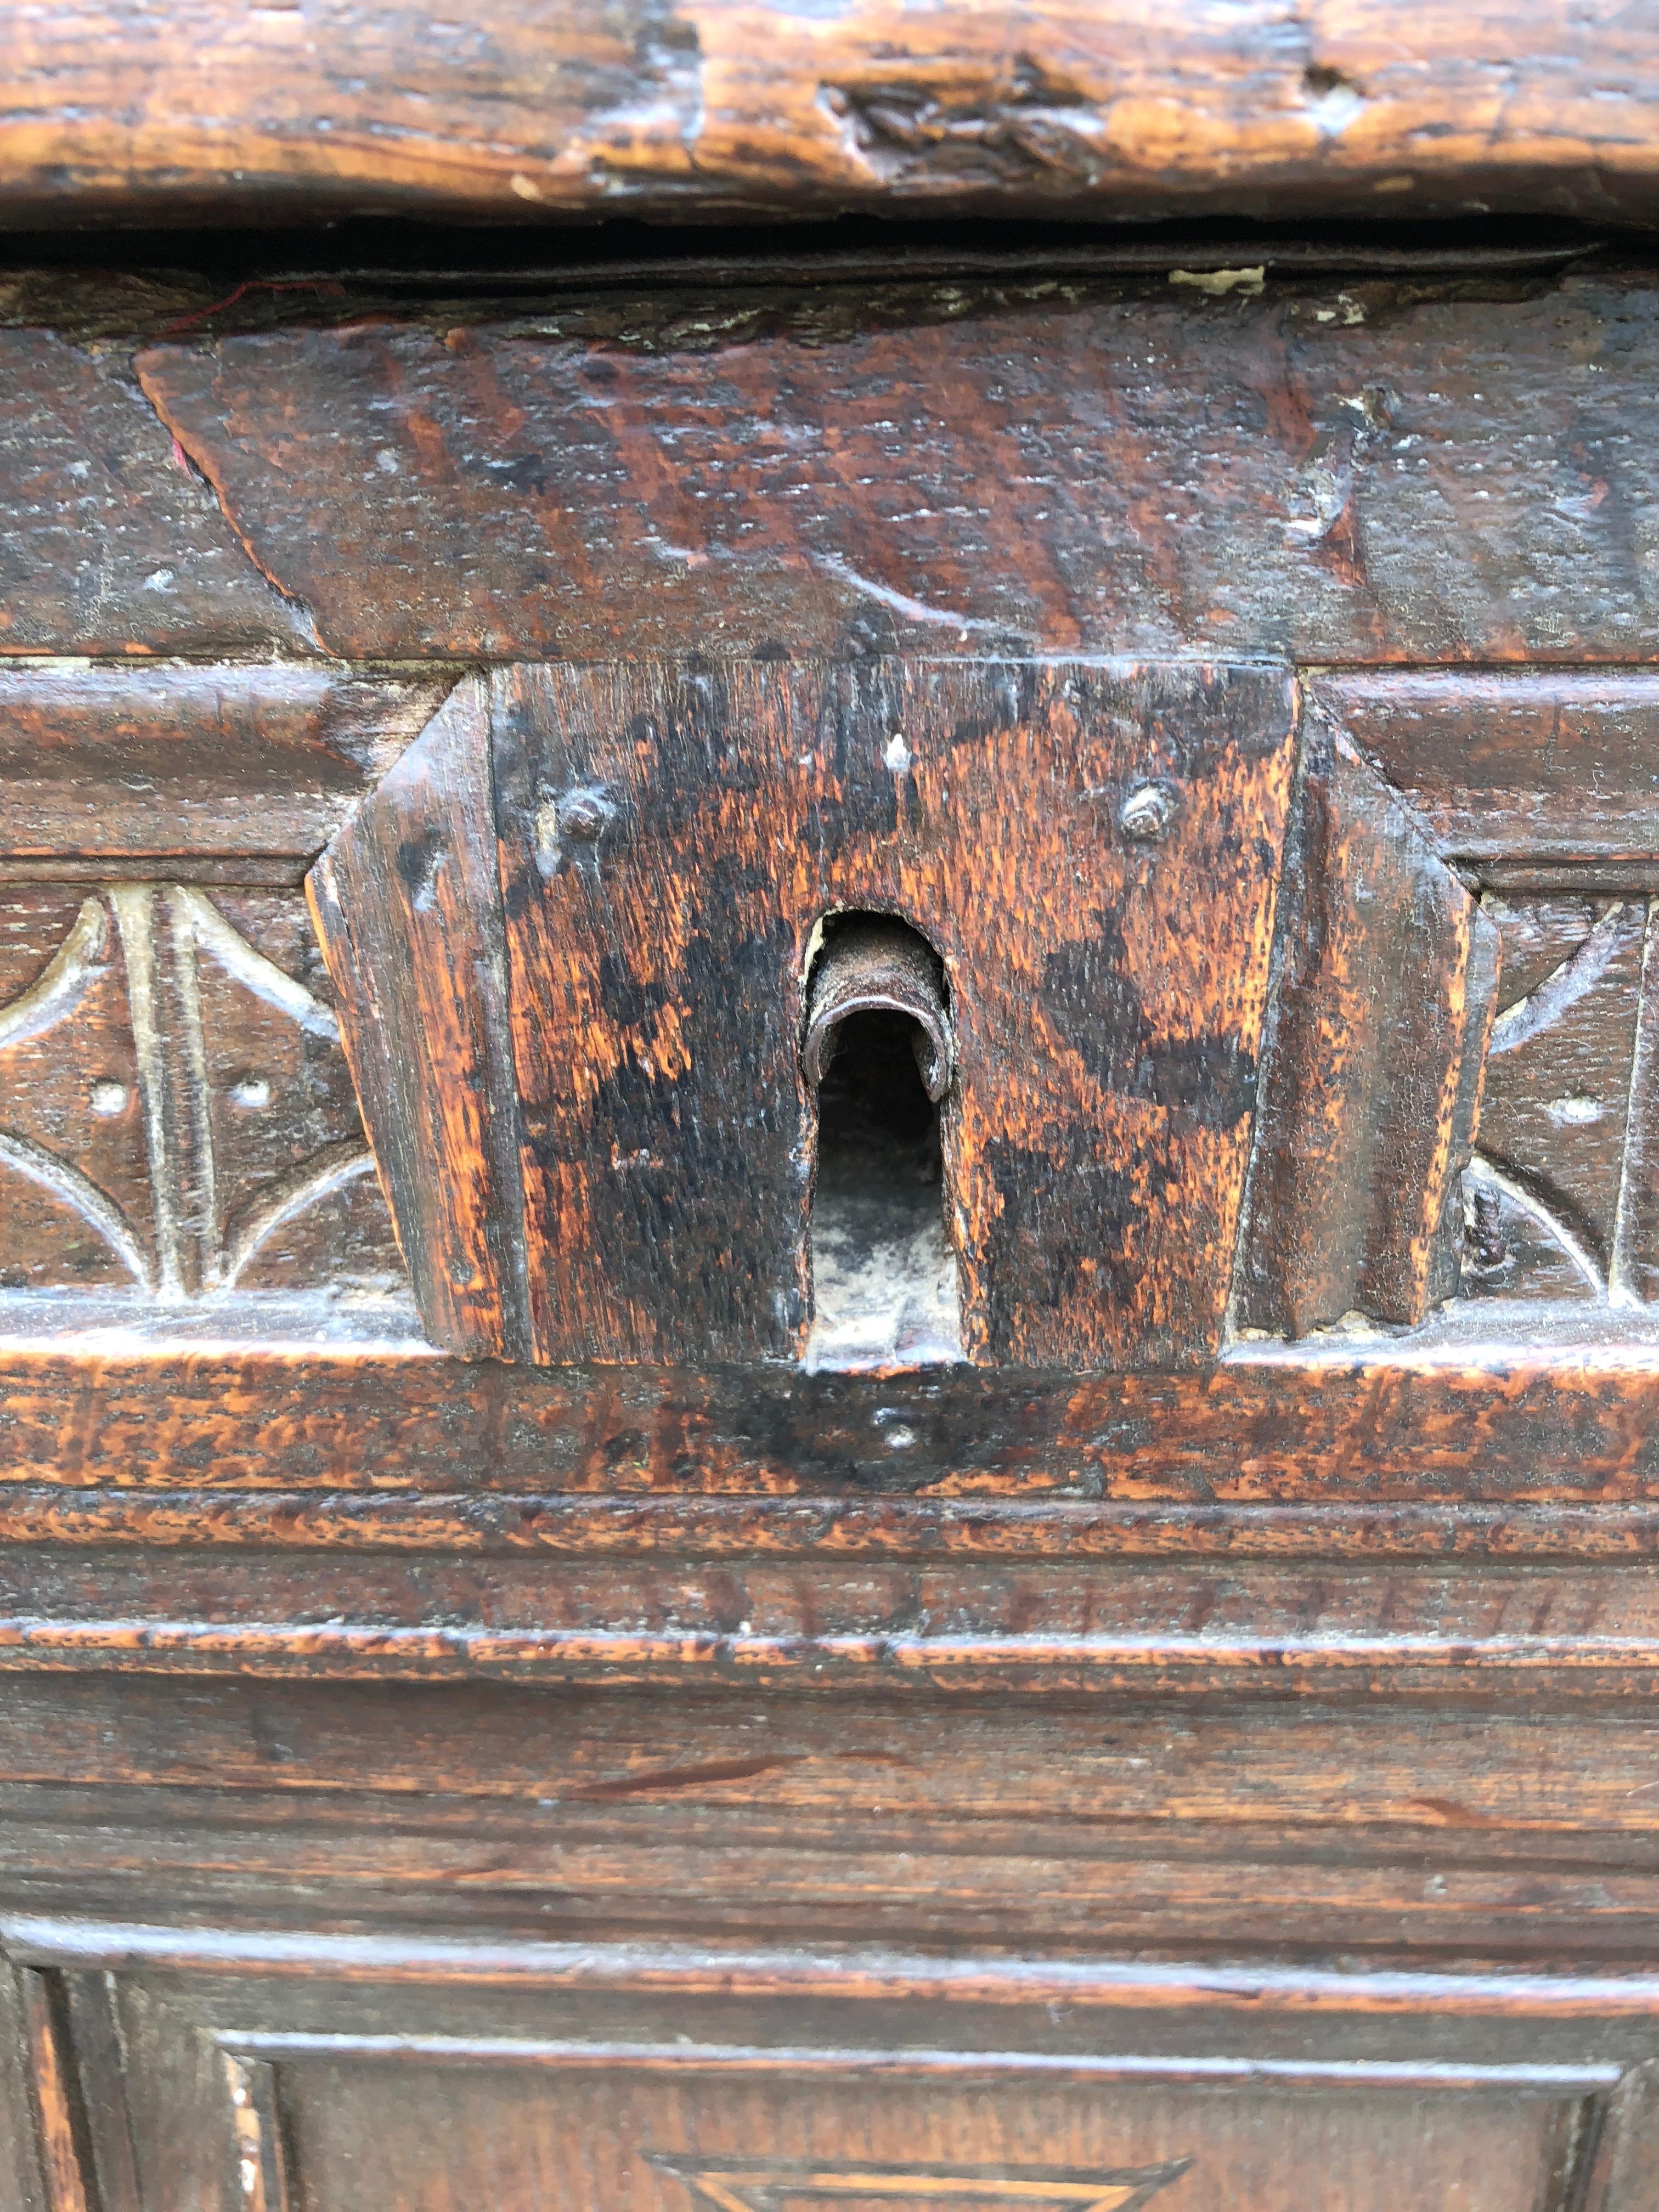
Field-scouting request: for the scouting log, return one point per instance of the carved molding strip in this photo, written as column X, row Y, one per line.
column 173, row 766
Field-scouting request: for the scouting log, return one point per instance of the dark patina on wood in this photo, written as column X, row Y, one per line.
column 1391, row 470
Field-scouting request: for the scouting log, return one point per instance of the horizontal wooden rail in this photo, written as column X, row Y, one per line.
column 712, row 108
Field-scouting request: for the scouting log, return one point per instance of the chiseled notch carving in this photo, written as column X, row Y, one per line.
column 1542, row 1195
column 139, row 1080
column 570, row 936
column 1372, row 1096
column 783, row 2184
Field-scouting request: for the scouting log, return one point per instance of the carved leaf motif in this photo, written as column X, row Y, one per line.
column 77, row 1204
column 1554, row 1122
column 180, row 1093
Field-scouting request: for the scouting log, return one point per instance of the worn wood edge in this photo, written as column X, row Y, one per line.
column 23, row 2188
column 438, row 1109
column 913, row 2062
column 1354, row 1203
column 256, row 2124
column 691, row 1528
column 59, row 2130
column 1625, row 1347
column 95, row 2041
column 1501, row 852
column 724, row 106
column 826, row 1971
column 1421, row 1667
column 1332, row 683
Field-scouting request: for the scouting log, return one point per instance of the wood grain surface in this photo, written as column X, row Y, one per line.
column 710, row 107
column 112, row 544
column 464, row 1815
column 1557, row 768
column 1344, row 1422
column 461, row 1782
column 1372, row 471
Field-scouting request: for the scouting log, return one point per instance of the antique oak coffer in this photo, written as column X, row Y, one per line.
column 829, row 1107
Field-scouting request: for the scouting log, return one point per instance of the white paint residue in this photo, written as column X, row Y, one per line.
column 1575, row 1111
column 901, row 602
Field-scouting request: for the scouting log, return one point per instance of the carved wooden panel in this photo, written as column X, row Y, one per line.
column 1544, row 1189
column 613, row 1755
column 76, row 1187
column 698, row 2143
column 176, row 1117
column 1559, row 1200
column 1544, row 792
column 1524, row 801
column 513, row 2076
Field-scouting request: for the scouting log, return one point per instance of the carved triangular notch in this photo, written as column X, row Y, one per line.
column 736, row 2185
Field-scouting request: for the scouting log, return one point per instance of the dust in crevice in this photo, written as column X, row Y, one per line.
column 884, row 1289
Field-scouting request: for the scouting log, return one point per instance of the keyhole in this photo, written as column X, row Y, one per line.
column 884, row 1274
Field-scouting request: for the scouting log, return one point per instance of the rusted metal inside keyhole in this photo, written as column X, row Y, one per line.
column 869, row 964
